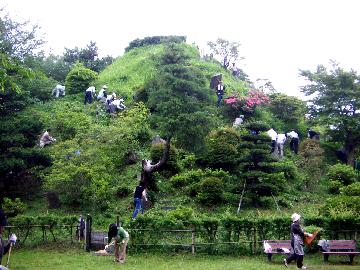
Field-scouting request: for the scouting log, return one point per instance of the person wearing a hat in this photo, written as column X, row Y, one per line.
column 297, row 242
column 102, row 94
column 4, row 247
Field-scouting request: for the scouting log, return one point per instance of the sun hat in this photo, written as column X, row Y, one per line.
column 295, row 217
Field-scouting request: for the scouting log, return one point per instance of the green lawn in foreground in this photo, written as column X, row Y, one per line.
column 40, row 258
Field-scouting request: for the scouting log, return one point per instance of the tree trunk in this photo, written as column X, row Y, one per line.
column 147, row 168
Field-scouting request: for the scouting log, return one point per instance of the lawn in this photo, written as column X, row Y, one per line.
column 41, row 258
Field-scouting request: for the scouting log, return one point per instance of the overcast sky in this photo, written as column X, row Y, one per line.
column 278, row 37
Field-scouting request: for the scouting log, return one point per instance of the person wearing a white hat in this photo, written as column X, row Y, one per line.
column 297, row 243
column 102, row 94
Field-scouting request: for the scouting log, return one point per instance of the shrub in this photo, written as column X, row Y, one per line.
column 343, row 173
column 123, row 191
column 171, row 167
column 210, row 191
column 335, row 186
column 342, row 205
column 79, row 79
column 13, row 208
column 154, row 40
column 221, row 148
column 351, row 190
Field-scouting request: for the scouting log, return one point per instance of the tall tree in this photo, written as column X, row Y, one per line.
column 226, row 50
column 179, row 101
column 336, row 103
column 18, row 39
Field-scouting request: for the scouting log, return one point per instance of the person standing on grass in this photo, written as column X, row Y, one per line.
column 139, row 194
column 297, row 242
column 4, row 247
column 121, row 237
column 294, row 143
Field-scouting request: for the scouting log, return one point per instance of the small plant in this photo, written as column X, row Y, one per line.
column 343, row 173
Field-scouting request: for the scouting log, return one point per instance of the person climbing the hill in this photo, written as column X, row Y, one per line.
column 234, row 70
column 220, row 88
column 58, row 90
column 102, row 94
column 139, row 194
column 121, row 237
column 297, row 242
column 313, row 134
column 89, row 94
column 280, row 141
column 46, row 139
column 294, row 143
column 116, row 105
column 273, row 135
column 5, row 246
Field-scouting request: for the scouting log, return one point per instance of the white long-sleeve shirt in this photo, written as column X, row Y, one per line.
column 272, row 133
column 281, row 138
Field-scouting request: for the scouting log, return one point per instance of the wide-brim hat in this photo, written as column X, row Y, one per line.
column 105, row 87
column 295, row 217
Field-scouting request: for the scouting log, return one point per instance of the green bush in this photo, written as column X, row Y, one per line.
column 342, row 206
column 335, row 186
column 210, row 191
column 351, row 190
column 171, row 166
column 222, row 148
column 79, row 79
column 14, row 207
column 154, row 40
column 343, row 173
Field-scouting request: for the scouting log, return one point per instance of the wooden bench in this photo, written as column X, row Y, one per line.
column 277, row 247
column 341, row 247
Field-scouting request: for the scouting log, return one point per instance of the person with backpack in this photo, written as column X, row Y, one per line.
column 121, row 237
column 139, row 194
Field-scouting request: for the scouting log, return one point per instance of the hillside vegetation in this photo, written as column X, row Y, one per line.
column 95, row 163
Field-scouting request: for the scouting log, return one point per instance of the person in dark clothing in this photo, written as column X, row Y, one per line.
column 220, row 88
column 297, row 243
column 313, row 134
column 294, row 143
column 4, row 247
column 139, row 193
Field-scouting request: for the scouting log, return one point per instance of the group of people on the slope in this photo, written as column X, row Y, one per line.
column 278, row 141
column 111, row 102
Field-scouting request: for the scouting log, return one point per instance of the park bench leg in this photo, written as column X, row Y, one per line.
column 351, row 257
column 269, row 257
column 326, row 258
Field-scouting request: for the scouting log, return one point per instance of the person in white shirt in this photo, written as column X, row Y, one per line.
column 89, row 93
column 238, row 121
column 58, row 90
column 102, row 94
column 46, row 138
column 116, row 105
column 294, row 143
column 280, row 141
column 273, row 135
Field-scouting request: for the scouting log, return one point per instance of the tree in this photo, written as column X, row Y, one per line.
column 289, row 110
column 260, row 176
column 228, row 51
column 88, row 56
column 179, row 101
column 79, row 78
column 18, row 39
column 336, row 103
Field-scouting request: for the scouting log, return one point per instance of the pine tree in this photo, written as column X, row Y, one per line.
column 259, row 175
